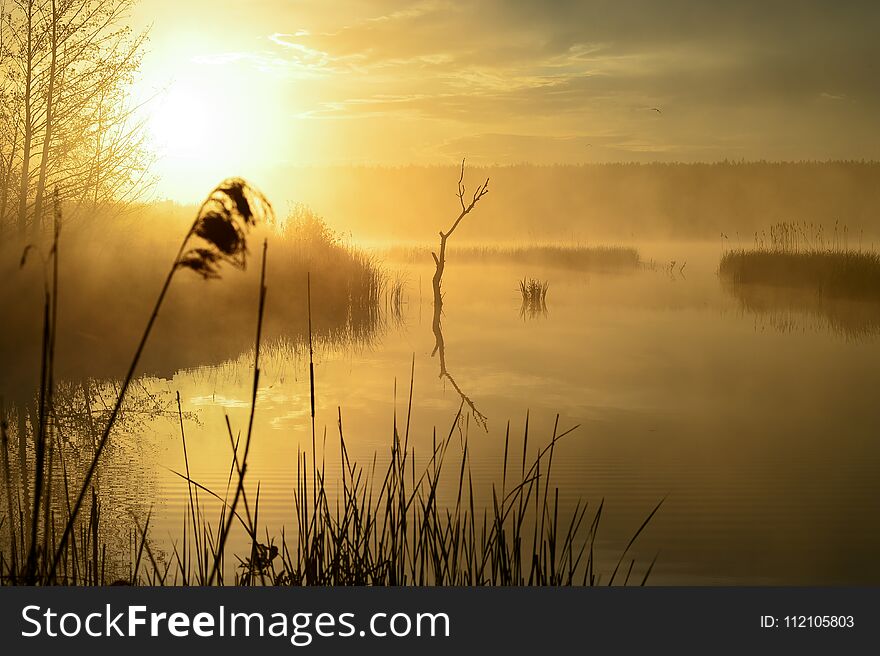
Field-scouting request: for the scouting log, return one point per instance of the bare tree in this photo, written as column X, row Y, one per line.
column 9, row 123
column 65, row 72
column 440, row 260
column 50, row 97
column 28, row 45
column 440, row 264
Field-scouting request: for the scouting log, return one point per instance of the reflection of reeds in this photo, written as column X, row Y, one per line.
column 534, row 297
column 801, row 270
column 395, row 297
column 374, row 527
column 788, row 310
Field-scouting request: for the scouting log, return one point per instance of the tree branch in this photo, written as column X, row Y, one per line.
column 481, row 191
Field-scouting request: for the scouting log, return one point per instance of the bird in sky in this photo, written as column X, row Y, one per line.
column 656, row 109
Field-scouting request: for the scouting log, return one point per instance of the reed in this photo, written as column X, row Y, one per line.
column 387, row 526
column 806, row 256
column 534, row 297
column 372, row 524
column 310, row 244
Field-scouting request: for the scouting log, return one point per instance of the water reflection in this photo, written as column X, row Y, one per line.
column 786, row 310
column 123, row 489
column 532, row 311
column 440, row 352
column 675, row 395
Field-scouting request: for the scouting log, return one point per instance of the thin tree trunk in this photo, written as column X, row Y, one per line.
column 7, row 178
column 440, row 265
column 28, row 128
column 440, row 261
column 47, row 139
column 98, row 146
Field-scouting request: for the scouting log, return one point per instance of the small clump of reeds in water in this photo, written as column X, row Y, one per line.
column 534, row 297
column 807, row 256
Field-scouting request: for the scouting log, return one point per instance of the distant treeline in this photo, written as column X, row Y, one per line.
column 587, row 202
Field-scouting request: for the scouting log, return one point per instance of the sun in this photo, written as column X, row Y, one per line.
column 185, row 123
column 202, row 132
column 208, row 122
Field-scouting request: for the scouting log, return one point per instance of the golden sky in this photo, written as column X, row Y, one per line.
column 255, row 87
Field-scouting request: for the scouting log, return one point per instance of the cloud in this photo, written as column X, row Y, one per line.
column 744, row 76
column 491, row 148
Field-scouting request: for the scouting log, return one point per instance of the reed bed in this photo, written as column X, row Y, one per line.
column 355, row 296
column 803, row 256
column 346, row 271
column 110, row 279
column 370, row 525
column 386, row 526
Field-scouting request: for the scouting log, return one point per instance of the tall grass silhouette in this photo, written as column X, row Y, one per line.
column 376, row 525
column 353, row 293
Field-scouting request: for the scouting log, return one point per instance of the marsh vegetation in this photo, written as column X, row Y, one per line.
column 571, row 256
column 534, row 297
column 807, row 257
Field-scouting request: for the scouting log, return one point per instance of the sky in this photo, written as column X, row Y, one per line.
column 267, row 85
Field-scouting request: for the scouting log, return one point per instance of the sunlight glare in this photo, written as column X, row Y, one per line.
column 209, row 124
column 183, row 125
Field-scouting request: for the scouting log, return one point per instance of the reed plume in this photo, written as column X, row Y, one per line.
column 218, row 234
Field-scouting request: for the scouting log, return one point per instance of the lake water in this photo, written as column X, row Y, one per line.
column 757, row 422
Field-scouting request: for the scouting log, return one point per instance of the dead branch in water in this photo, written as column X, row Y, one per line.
column 440, row 264
column 440, row 260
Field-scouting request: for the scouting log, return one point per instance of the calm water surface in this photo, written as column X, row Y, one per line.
column 758, row 424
